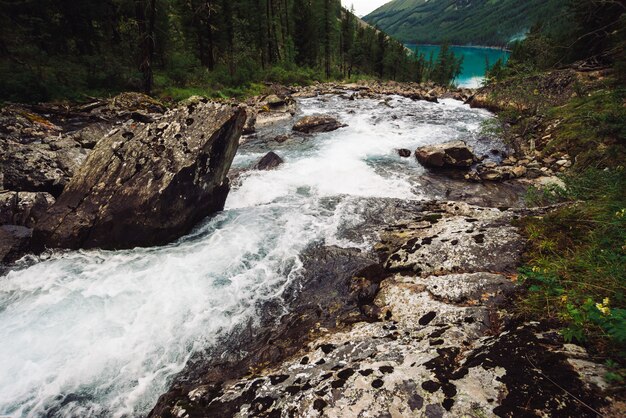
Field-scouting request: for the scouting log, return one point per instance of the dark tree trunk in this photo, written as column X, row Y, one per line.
column 145, row 22
column 327, row 17
column 210, row 37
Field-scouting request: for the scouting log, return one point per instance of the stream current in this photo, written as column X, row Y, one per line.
column 103, row 333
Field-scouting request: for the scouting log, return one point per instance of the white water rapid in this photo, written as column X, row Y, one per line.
column 102, row 333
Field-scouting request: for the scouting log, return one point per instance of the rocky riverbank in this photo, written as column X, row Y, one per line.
column 422, row 331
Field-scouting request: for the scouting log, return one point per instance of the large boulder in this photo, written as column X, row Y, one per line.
column 147, row 184
column 42, row 146
column 454, row 154
column 34, row 154
column 315, row 124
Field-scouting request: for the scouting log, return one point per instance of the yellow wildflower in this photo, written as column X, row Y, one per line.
column 604, row 309
column 606, row 302
column 563, row 298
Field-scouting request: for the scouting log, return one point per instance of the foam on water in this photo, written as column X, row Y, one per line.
column 101, row 333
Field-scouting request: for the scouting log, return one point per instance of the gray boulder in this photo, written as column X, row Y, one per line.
column 454, row 154
column 315, row 124
column 23, row 208
column 40, row 166
column 147, row 184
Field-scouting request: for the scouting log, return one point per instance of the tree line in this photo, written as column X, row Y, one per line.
column 63, row 49
column 587, row 33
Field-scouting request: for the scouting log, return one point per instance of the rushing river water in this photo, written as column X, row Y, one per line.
column 102, row 333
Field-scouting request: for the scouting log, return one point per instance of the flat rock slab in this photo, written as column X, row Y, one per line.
column 147, row 184
column 451, row 238
column 386, row 369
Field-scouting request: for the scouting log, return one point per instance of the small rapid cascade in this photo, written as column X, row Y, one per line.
column 102, row 333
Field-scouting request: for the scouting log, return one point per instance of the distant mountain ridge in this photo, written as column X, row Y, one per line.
column 478, row 22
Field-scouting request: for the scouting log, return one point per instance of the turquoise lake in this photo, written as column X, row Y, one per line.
column 474, row 61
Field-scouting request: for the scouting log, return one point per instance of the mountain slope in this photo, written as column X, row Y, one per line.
column 481, row 22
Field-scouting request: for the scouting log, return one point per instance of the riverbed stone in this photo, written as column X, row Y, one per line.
column 454, row 154
column 147, row 184
column 316, row 124
column 269, row 161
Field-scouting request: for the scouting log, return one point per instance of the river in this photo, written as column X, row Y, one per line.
column 103, row 333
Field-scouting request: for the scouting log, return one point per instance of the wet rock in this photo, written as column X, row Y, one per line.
column 476, row 192
column 269, row 161
column 14, row 242
column 404, row 153
column 316, row 303
column 281, row 138
column 315, row 124
column 455, row 154
column 147, row 184
column 23, row 208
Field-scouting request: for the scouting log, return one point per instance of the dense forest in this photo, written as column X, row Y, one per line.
column 478, row 22
column 62, row 49
column 595, row 36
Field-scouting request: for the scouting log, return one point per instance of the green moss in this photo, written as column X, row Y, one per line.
column 592, row 127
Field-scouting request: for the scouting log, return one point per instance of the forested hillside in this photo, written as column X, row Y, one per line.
column 478, row 22
column 61, row 48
